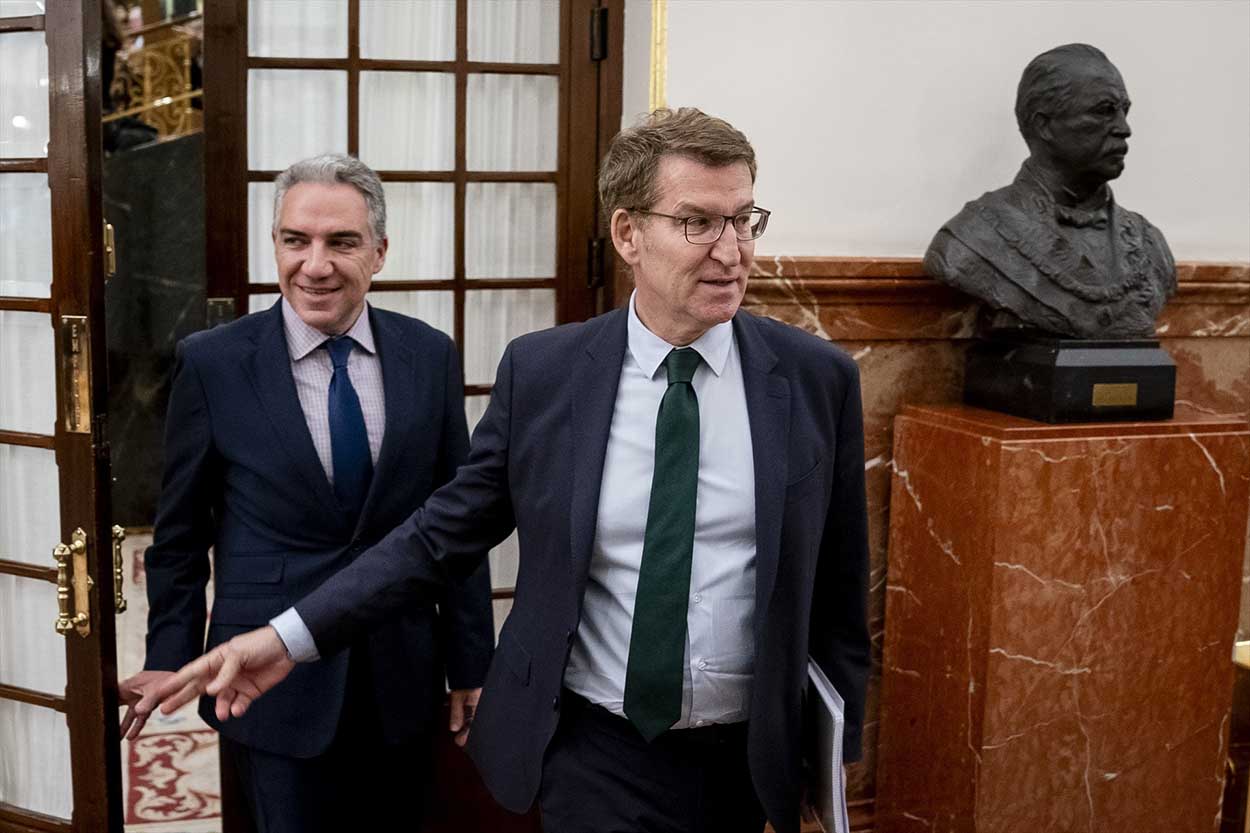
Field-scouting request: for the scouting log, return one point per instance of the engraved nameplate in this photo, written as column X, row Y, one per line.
column 1117, row 395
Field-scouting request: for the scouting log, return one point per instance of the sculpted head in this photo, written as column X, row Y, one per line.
column 1072, row 109
column 667, row 185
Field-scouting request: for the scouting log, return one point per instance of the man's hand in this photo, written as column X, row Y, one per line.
column 463, row 706
column 138, row 694
column 235, row 672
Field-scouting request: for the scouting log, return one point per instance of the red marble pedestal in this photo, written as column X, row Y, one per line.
column 1060, row 611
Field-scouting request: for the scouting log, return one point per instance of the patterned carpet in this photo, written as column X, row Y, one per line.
column 170, row 775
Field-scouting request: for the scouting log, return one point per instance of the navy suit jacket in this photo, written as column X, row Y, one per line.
column 536, row 463
column 242, row 476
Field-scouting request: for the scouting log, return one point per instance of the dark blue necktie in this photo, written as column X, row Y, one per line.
column 349, row 442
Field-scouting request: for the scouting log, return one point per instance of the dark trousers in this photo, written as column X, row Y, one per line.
column 360, row 783
column 600, row 776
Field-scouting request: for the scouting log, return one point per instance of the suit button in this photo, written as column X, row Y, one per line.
column 555, row 704
column 569, row 636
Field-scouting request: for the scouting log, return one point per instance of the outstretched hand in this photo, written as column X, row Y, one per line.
column 235, row 672
column 138, row 694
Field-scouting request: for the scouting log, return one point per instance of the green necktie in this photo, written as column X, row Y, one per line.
column 657, row 644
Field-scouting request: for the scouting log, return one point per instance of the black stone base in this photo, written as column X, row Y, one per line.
column 1061, row 380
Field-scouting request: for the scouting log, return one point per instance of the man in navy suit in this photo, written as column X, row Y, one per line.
column 687, row 483
column 298, row 437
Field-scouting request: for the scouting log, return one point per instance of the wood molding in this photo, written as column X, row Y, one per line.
column 891, row 299
column 17, row 820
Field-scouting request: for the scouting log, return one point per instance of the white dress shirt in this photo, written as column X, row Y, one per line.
column 720, row 642
column 312, row 369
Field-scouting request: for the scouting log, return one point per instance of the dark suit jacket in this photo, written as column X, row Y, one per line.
column 536, row 464
column 242, row 476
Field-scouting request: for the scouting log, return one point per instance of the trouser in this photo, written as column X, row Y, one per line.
column 361, row 782
column 600, row 776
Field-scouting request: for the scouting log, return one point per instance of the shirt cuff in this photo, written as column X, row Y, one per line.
column 295, row 636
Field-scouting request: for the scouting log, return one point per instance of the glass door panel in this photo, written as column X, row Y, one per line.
column 513, row 122
column 30, row 508
column 26, row 253
column 494, row 317
column 514, row 31
column 404, row 30
column 420, row 220
column 294, row 114
column 27, row 372
column 24, row 95
column 35, row 769
column 291, row 29
column 408, row 120
column 510, row 230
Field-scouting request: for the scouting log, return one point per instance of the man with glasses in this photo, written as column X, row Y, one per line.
column 687, row 481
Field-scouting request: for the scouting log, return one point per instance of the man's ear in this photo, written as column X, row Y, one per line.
column 381, row 261
column 625, row 236
column 1041, row 126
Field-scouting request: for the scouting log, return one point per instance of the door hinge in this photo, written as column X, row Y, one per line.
column 595, row 249
column 598, row 34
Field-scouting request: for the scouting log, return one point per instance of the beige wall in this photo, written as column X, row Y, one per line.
column 876, row 121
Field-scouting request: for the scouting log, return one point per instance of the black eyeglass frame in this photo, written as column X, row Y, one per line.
column 725, row 219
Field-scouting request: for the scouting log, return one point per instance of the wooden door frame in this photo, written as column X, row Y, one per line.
column 74, row 168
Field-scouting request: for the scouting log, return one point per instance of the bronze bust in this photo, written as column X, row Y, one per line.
column 1053, row 251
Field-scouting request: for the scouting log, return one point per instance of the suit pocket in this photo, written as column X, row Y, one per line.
column 806, row 483
column 249, row 575
column 514, row 656
column 251, row 612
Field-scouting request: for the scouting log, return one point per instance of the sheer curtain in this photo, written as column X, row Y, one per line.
column 34, row 741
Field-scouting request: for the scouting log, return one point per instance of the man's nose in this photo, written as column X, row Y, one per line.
column 1121, row 128
column 726, row 249
column 318, row 264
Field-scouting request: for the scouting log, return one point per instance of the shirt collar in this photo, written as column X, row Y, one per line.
column 649, row 350
column 302, row 339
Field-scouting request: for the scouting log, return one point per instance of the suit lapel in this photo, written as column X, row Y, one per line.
column 768, row 409
column 270, row 369
column 595, row 377
column 400, row 394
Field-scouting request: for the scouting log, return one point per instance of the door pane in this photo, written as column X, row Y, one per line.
column 23, row 94
column 34, row 757
column 516, row 31
column 513, row 122
column 510, row 230
column 26, row 253
column 258, row 303
column 294, row 114
column 32, row 653
column 20, row 8
column 30, row 504
column 402, row 29
column 304, row 29
column 420, row 222
column 27, row 372
column 260, row 265
column 493, row 317
column 438, row 309
column 408, row 120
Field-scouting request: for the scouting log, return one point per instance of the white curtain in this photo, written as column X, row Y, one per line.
column 34, row 741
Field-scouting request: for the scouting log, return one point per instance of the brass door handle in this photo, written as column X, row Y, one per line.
column 119, row 598
column 72, row 578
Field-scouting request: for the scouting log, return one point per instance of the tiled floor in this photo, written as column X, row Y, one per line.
column 170, row 772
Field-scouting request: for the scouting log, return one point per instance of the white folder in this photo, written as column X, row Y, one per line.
column 830, row 798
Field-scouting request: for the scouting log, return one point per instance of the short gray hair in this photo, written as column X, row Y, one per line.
column 1047, row 82
column 333, row 169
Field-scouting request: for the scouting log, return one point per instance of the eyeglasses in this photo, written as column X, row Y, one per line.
column 702, row 229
